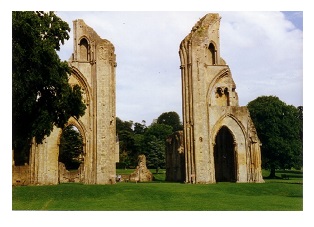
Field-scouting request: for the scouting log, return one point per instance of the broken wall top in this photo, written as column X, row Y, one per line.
column 205, row 33
column 86, row 36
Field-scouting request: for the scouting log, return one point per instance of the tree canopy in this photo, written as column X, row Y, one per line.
column 279, row 127
column 172, row 119
column 41, row 94
column 137, row 138
column 71, row 147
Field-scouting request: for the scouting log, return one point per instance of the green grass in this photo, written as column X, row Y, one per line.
column 281, row 195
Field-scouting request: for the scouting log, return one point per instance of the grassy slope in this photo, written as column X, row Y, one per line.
column 161, row 196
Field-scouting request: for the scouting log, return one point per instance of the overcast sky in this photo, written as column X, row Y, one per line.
column 262, row 49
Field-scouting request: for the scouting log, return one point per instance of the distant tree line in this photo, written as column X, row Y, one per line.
column 137, row 138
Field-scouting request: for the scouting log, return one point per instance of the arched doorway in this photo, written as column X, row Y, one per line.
column 71, row 151
column 224, row 155
column 71, row 155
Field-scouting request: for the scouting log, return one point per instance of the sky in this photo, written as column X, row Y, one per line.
column 264, row 50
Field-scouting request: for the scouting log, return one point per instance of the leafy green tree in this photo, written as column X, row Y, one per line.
column 127, row 153
column 123, row 125
column 172, row 119
column 137, row 138
column 139, row 145
column 155, row 144
column 140, row 128
column 300, row 109
column 155, row 152
column 160, row 131
column 299, row 159
column 41, row 94
column 71, row 148
column 278, row 126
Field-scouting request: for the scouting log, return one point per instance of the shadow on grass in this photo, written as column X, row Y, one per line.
column 272, row 178
column 298, row 172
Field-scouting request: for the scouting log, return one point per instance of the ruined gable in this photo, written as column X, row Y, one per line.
column 220, row 141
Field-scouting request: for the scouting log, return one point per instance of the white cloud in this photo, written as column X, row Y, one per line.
column 265, row 57
column 263, row 50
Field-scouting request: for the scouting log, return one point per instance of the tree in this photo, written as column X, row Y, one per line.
column 155, row 152
column 300, row 116
column 155, row 144
column 136, row 138
column 160, row 131
column 125, row 133
column 172, row 119
column 71, row 147
column 140, row 128
column 123, row 125
column 41, row 94
column 278, row 126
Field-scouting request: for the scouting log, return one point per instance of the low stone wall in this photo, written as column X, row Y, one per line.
column 124, row 177
column 20, row 175
column 66, row 176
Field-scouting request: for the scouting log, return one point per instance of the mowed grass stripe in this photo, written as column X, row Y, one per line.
column 160, row 197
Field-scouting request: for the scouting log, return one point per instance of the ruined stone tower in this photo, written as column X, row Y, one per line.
column 93, row 64
column 220, row 141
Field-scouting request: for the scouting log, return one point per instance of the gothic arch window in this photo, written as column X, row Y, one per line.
column 83, row 50
column 222, row 96
column 212, row 54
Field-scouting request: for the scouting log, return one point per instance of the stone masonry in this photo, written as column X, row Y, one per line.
column 219, row 138
column 175, row 164
column 218, row 143
column 93, row 65
column 141, row 173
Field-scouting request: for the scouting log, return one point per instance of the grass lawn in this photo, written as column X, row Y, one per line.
column 273, row 195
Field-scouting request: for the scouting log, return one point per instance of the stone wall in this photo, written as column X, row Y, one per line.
column 20, row 175
column 92, row 64
column 66, row 176
column 210, row 103
column 175, row 162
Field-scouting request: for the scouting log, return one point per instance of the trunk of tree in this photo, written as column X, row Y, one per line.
column 272, row 173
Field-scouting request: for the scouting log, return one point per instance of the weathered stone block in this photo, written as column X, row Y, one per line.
column 141, row 173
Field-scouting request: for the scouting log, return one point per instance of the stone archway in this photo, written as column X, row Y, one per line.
column 71, row 154
column 224, row 156
column 98, row 125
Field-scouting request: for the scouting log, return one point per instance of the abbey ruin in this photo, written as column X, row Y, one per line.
column 93, row 64
column 219, row 139
column 218, row 143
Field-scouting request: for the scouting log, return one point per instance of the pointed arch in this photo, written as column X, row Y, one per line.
column 237, row 130
column 225, row 155
column 228, row 119
column 83, row 83
column 212, row 58
column 79, row 125
column 220, row 89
